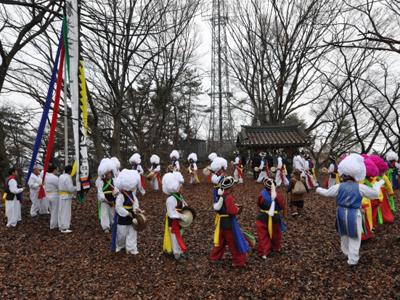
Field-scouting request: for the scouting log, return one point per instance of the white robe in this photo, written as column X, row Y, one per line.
column 141, row 187
column 192, row 179
column 66, row 189
column 38, row 206
column 215, row 179
column 126, row 235
column 106, row 211
column 331, row 181
column 13, row 207
column 280, row 173
column 51, row 186
column 298, row 163
column 236, row 173
column 263, row 174
column 154, row 180
column 173, row 214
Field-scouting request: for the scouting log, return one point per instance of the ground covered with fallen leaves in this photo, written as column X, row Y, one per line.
column 36, row 262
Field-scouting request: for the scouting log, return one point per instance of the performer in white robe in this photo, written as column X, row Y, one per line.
column 106, row 193
column 263, row 168
column 192, row 159
column 34, row 183
column 218, row 168
column 174, row 156
column 280, row 177
column 51, row 186
column 127, row 204
column 172, row 184
column 155, row 170
column 333, row 173
column 238, row 172
column 298, row 163
column 66, row 190
column 13, row 198
column 135, row 161
column 309, row 176
column 349, row 194
column 207, row 170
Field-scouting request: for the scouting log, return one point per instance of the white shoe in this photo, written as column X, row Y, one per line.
column 66, row 231
column 263, row 257
column 134, row 252
column 106, row 230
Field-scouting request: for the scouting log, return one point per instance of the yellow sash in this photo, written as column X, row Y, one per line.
column 217, row 231
column 167, row 245
column 368, row 211
column 337, row 179
column 388, row 185
column 64, row 193
column 196, row 178
column 5, row 202
column 269, row 221
column 107, row 192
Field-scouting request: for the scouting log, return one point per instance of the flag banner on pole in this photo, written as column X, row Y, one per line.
column 53, row 124
column 73, row 62
column 45, row 113
column 83, row 130
column 78, row 100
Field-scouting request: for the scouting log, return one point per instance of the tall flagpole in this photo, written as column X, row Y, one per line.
column 66, row 158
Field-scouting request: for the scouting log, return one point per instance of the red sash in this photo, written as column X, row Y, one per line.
column 143, row 182
column 175, row 229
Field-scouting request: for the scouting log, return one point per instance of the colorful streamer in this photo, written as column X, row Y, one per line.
column 45, row 114
column 53, row 123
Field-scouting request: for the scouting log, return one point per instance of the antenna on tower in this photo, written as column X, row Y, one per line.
column 221, row 124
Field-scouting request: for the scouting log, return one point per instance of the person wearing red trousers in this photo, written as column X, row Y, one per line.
column 271, row 204
column 227, row 230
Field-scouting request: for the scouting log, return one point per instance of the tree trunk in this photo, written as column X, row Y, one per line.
column 116, row 136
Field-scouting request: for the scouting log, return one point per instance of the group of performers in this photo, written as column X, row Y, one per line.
column 363, row 189
column 57, row 197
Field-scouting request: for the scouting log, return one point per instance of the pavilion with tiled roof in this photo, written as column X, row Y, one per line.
column 286, row 137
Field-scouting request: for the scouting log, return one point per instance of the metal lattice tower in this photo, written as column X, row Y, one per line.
column 221, row 124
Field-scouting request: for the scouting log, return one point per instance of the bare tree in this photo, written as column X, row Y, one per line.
column 277, row 54
column 16, row 137
column 117, row 49
column 373, row 21
column 20, row 23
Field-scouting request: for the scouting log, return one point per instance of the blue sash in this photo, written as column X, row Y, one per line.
column 240, row 241
column 395, row 180
column 267, row 197
column 215, row 191
column 114, row 233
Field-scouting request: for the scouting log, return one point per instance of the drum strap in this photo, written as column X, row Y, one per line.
column 107, row 185
column 179, row 197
